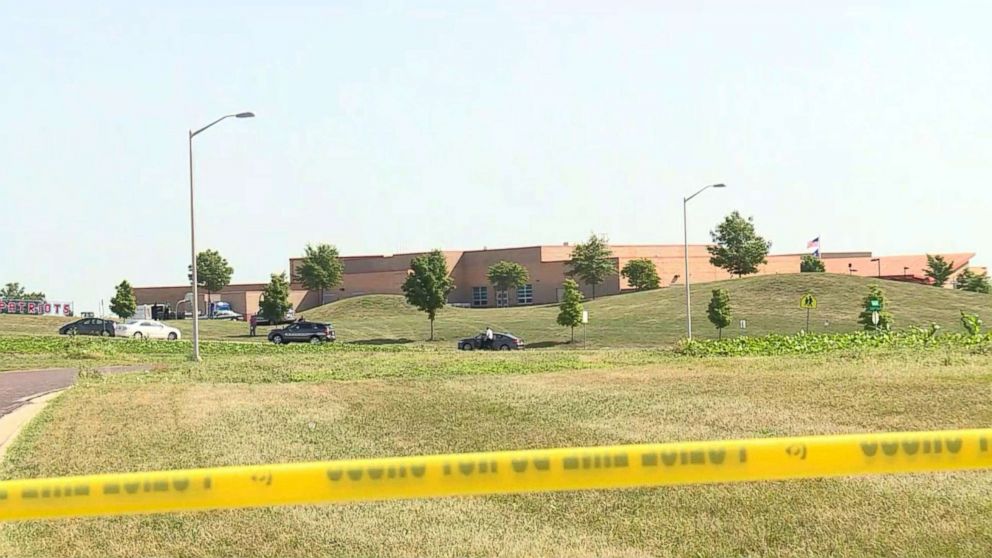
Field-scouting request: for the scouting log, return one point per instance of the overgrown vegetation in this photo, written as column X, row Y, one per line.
column 811, row 344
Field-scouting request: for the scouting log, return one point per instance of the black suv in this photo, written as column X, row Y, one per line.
column 303, row 332
column 89, row 326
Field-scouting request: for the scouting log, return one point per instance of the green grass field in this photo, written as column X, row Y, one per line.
column 770, row 304
column 257, row 409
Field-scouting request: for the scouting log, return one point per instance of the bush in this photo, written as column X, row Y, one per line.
column 972, row 323
column 806, row 344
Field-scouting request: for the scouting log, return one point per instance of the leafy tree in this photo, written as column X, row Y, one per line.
column 570, row 309
column 884, row 316
column 641, row 274
column 968, row 280
column 505, row 275
column 428, row 285
column 738, row 247
column 124, row 303
column 274, row 301
column 321, row 268
column 811, row 264
column 719, row 310
column 972, row 323
column 591, row 262
column 938, row 269
column 14, row 291
column 212, row 272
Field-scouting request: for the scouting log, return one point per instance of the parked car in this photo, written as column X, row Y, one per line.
column 147, row 329
column 501, row 342
column 89, row 326
column 227, row 315
column 303, row 332
column 289, row 318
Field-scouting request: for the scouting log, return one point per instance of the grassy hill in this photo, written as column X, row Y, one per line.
column 770, row 304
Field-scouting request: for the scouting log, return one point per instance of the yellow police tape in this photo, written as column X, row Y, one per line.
column 497, row 473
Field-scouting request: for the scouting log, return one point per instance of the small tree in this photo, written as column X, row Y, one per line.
column 972, row 323
column 811, row 264
column 570, row 309
column 641, row 274
column 738, row 247
column 507, row 275
column 719, row 310
column 428, row 285
column 591, row 262
column 938, row 269
column 274, row 301
column 884, row 316
column 124, row 302
column 14, row 291
column 321, row 268
column 212, row 272
column 968, row 280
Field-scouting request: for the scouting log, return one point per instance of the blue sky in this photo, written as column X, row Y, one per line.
column 383, row 129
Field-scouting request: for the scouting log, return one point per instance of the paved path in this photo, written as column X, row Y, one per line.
column 18, row 386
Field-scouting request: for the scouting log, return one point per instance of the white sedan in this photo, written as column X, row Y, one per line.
column 146, row 329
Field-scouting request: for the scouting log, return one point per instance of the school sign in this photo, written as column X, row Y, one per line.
column 35, row 307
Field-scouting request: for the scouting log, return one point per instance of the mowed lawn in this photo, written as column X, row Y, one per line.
column 243, row 411
column 769, row 304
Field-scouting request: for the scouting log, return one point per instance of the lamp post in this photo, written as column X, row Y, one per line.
column 879, row 261
column 192, row 233
column 905, row 269
column 685, row 254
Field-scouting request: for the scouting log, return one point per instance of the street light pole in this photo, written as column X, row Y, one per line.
column 879, row 261
column 685, row 254
column 192, row 235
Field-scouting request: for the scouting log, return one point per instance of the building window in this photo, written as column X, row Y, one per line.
column 502, row 299
column 525, row 294
column 480, row 296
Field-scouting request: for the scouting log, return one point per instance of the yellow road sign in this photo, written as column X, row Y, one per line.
column 807, row 301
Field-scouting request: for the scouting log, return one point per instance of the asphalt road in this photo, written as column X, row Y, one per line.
column 17, row 386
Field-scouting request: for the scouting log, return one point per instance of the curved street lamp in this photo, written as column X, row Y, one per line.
column 685, row 253
column 192, row 232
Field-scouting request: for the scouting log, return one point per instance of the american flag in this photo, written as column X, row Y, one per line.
column 815, row 243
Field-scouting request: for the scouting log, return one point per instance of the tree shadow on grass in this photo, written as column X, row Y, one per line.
column 400, row 341
column 546, row 344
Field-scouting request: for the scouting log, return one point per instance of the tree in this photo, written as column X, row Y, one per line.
column 591, row 262
column 968, row 280
column 506, row 275
column 641, row 274
column 884, row 316
column 938, row 269
column 719, row 310
column 570, row 309
column 14, row 291
column 274, row 301
column 428, row 284
column 212, row 272
column 738, row 248
column 124, row 303
column 811, row 264
column 321, row 268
